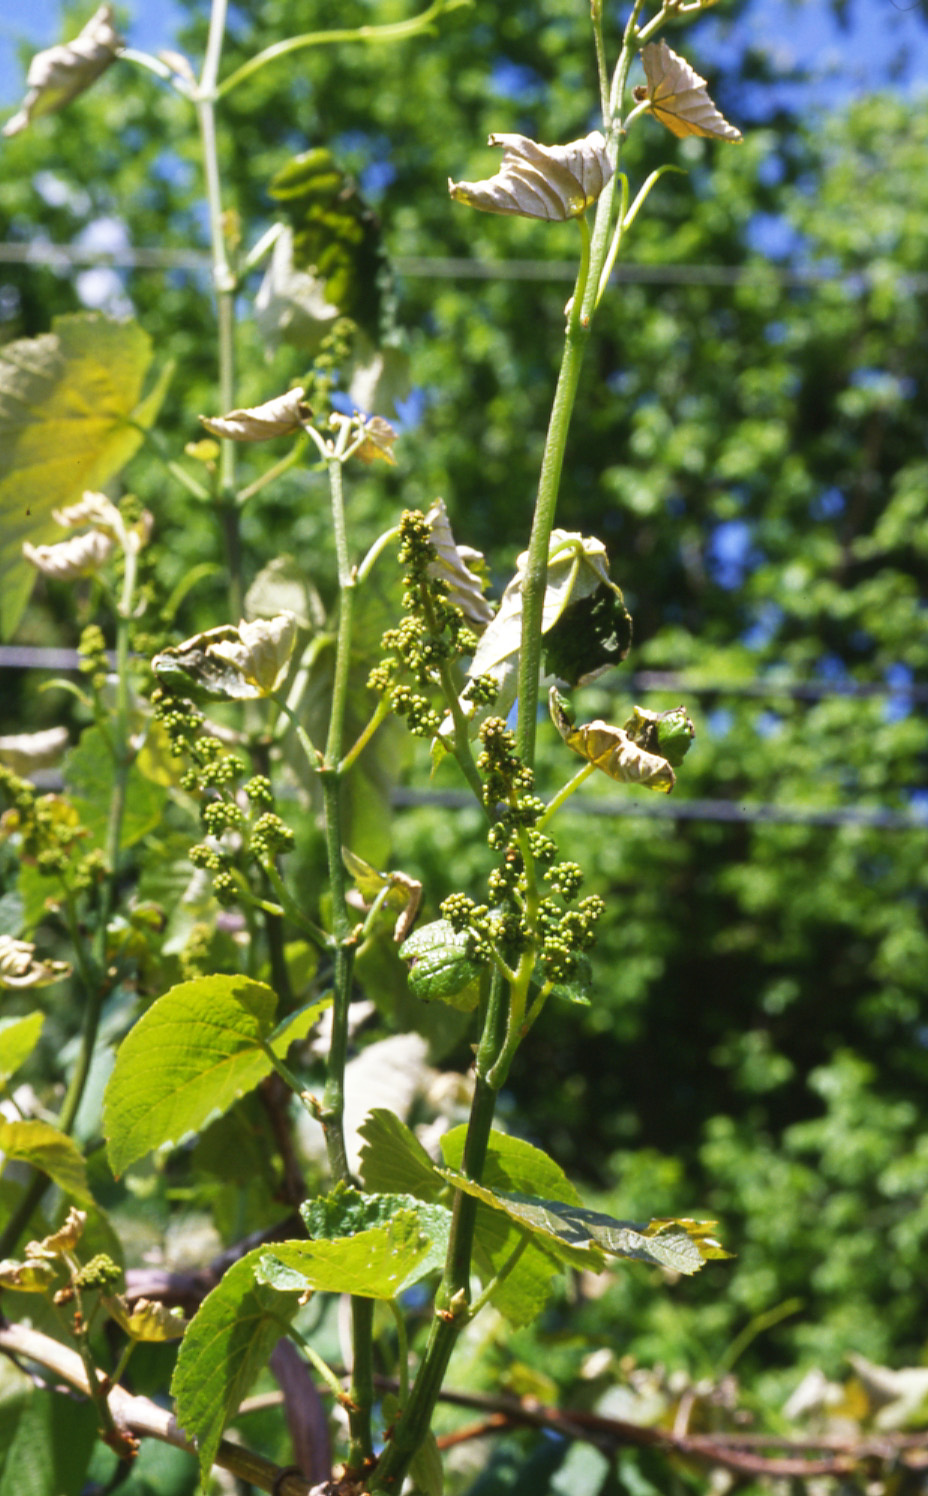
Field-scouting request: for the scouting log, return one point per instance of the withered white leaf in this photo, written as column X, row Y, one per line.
column 554, row 182
column 259, row 423
column 20, row 967
column 451, row 565
column 678, row 96
column 58, row 75
column 68, row 559
column 240, row 663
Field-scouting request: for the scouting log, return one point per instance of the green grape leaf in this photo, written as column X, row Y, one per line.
column 90, row 775
column 195, row 1052
column 427, row 1468
column 442, row 968
column 51, row 1152
column 18, row 1038
column 393, row 1159
column 46, row 1437
column 377, row 1263
column 512, row 1164
column 227, row 1344
column 68, row 401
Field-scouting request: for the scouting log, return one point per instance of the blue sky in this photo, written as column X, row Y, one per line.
column 885, row 43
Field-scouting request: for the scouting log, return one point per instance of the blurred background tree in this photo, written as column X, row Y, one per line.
column 750, row 444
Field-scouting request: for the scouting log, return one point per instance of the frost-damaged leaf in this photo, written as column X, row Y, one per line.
column 379, row 437
column 65, row 560
column 393, row 1159
column 20, row 967
column 394, row 892
column 678, row 96
column 461, row 568
column 18, row 1038
column 146, row 1319
column 58, row 75
column 227, row 1344
column 554, row 182
column 195, row 1052
column 582, row 1237
column 238, row 664
column 50, row 1151
column 612, row 750
column 26, row 751
column 669, row 734
column 578, row 578
column 281, row 416
column 71, row 406
column 377, row 1263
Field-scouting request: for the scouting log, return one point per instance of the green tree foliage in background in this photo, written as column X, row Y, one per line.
column 750, row 443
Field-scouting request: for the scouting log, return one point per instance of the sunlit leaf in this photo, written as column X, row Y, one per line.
column 50, row 1151
column 27, row 751
column 612, row 750
column 393, row 1159
column 554, row 182
column 678, row 96
column 226, row 1346
column 68, row 401
column 207, row 1035
column 442, row 968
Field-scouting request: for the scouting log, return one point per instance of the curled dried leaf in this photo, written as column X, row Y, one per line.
column 80, row 556
column 58, row 75
column 65, row 1239
column 240, row 663
column 554, row 182
column 35, row 1276
column 612, row 750
column 92, row 509
column 260, row 423
column 146, row 1319
column 20, row 967
column 678, row 96
column 459, row 566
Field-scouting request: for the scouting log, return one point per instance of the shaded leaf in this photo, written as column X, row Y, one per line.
column 539, row 181
column 678, row 96
column 18, row 1038
column 393, row 1159
column 90, row 775
column 226, row 1346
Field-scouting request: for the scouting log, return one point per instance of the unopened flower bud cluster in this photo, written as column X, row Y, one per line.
column 432, row 634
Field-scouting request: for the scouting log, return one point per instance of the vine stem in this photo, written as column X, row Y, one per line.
column 333, row 1105
column 224, row 285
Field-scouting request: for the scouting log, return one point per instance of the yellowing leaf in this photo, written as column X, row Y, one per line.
column 68, row 401
column 555, row 182
column 678, row 96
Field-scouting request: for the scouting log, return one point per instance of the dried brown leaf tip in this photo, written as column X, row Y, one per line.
column 259, row 423
column 58, row 75
column 678, row 96
column 554, row 182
